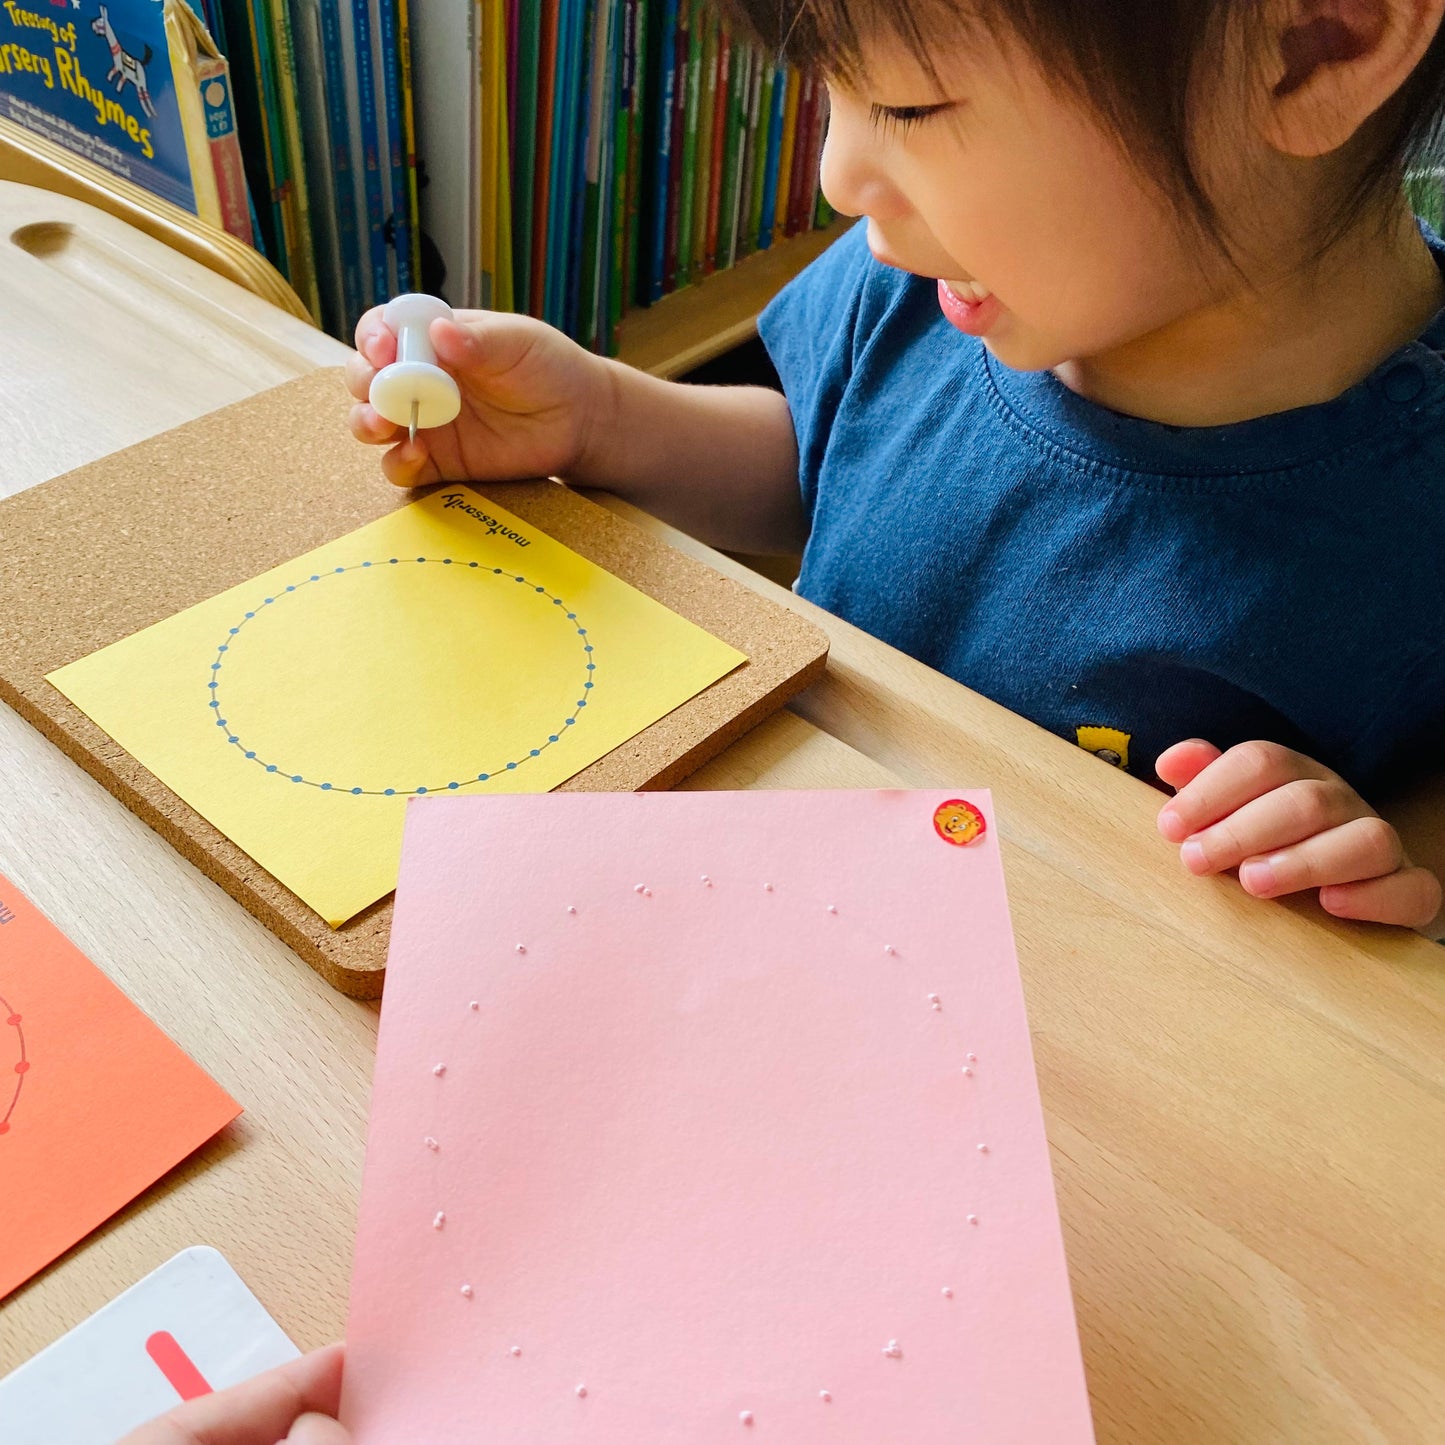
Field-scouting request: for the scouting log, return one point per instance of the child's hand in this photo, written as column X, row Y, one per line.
column 531, row 400
column 1289, row 824
column 295, row 1404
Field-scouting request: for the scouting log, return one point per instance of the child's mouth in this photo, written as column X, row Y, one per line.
column 969, row 305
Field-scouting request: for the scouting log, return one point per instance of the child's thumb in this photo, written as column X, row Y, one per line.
column 487, row 347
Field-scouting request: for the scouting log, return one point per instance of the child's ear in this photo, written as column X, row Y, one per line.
column 1333, row 63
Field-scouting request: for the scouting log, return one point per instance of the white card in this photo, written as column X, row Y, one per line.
column 189, row 1326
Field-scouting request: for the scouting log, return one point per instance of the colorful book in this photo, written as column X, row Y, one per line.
column 641, row 95
column 322, row 174
column 355, row 293
column 303, row 278
column 397, row 227
column 774, row 125
column 589, row 271
column 524, row 144
column 734, row 136
column 779, row 215
column 702, row 157
column 626, row 66
column 660, row 173
column 408, row 122
column 546, row 82
column 687, row 173
column 759, row 104
column 251, row 119
column 357, row 60
column 721, row 97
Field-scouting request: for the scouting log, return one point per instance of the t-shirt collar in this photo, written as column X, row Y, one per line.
column 1408, row 379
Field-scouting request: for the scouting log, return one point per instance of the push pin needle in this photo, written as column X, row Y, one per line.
column 414, row 391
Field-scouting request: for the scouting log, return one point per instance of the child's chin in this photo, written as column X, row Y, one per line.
column 1021, row 352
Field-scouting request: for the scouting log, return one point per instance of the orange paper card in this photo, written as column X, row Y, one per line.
column 96, row 1103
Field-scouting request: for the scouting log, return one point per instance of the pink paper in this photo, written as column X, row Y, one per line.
column 746, row 1147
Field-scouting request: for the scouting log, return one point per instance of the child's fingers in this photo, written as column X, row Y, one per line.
column 1182, row 763
column 317, row 1430
column 1410, row 897
column 257, row 1412
column 375, row 340
column 368, row 425
column 409, row 464
column 483, row 343
column 1362, row 848
column 1285, row 816
column 359, row 374
column 370, row 320
column 1235, row 778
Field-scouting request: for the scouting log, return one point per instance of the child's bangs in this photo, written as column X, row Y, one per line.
column 829, row 36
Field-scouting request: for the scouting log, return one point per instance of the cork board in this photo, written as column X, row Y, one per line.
column 97, row 554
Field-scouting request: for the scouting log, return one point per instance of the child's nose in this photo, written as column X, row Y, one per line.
column 853, row 180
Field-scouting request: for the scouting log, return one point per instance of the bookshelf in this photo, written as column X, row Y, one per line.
column 694, row 325
column 667, row 339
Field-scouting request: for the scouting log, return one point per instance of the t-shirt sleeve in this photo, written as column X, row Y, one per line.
column 809, row 330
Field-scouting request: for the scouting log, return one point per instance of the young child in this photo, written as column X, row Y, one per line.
column 1125, row 404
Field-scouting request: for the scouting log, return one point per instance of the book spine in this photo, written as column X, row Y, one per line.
column 408, row 131
column 251, row 119
column 625, row 61
column 768, row 201
column 577, row 135
column 276, row 157
column 285, row 62
column 524, row 149
column 398, row 221
column 631, row 280
column 513, row 34
column 706, row 111
column 786, row 153
column 505, row 284
column 720, row 114
column 489, row 76
column 739, row 69
column 592, row 177
column 677, row 120
column 542, row 183
column 225, row 147
column 802, row 153
column 339, row 126
column 666, row 71
column 607, row 120
column 687, row 200
column 558, row 213
column 747, row 235
column 370, row 149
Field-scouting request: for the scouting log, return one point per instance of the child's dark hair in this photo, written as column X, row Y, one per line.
column 1133, row 62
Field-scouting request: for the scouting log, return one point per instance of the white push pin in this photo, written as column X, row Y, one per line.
column 414, row 391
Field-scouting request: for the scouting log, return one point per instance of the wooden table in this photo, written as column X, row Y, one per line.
column 1246, row 1101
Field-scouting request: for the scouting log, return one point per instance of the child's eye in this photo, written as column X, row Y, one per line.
column 903, row 118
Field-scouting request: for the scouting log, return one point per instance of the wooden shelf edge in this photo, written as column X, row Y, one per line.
column 33, row 160
column 690, row 327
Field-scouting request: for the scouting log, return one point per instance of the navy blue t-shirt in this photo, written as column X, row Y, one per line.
column 1123, row 583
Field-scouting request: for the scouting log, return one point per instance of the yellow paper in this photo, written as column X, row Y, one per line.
column 449, row 647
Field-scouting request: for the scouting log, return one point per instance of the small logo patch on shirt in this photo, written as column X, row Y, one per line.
column 1107, row 743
